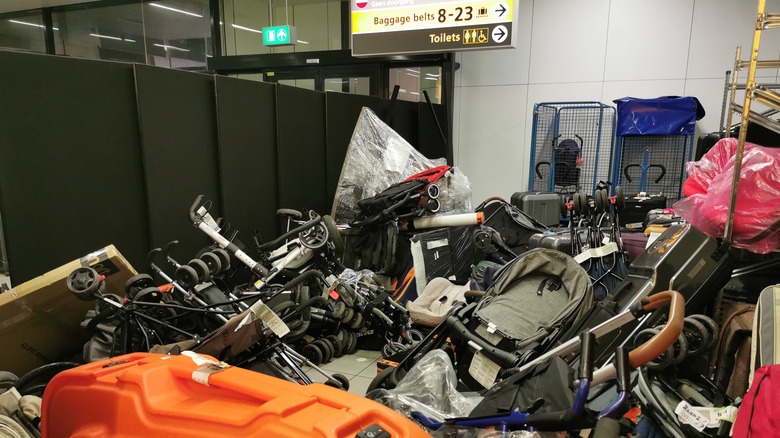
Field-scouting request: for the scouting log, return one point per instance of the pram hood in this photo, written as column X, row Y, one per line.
column 537, row 292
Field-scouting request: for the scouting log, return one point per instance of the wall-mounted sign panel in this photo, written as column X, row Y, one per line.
column 389, row 27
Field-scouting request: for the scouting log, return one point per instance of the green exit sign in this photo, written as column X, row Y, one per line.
column 279, row 36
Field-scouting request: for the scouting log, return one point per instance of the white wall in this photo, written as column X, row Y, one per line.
column 574, row 50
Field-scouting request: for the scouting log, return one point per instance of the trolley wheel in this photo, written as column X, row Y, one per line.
column 333, row 235
column 212, row 261
column 342, row 379
column 147, row 295
column 224, row 258
column 433, row 191
column 347, row 316
column 661, row 361
column 620, row 199
column 186, row 276
column 84, row 283
column 138, row 282
column 697, row 335
column 313, row 353
column 326, row 348
column 711, row 325
column 201, row 268
column 338, row 350
column 357, row 321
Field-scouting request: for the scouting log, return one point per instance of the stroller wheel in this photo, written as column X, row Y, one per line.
column 598, row 201
column 433, row 205
column 313, row 353
column 186, row 275
column 224, row 258
column 564, row 207
column 382, row 380
column 620, row 199
column 339, row 309
column 314, row 237
column 357, row 321
column 212, row 261
column 584, row 204
column 138, row 282
column 201, row 268
column 712, row 328
column 347, row 316
column 433, row 191
column 338, row 350
column 415, row 336
column 681, row 351
column 483, row 242
column 661, row 361
column 333, row 235
column 342, row 379
column 577, row 204
column 83, row 283
column 326, row 348
column 604, row 200
column 697, row 336
column 352, row 342
column 147, row 295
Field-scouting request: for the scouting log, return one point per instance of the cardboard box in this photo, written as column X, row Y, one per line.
column 39, row 319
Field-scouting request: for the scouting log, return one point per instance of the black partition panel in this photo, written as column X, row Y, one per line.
column 405, row 121
column 301, row 147
column 179, row 141
column 431, row 142
column 70, row 165
column 342, row 112
column 246, row 112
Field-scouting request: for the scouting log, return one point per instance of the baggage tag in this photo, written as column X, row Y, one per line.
column 271, row 320
column 207, row 219
column 483, row 370
column 696, row 417
column 201, row 374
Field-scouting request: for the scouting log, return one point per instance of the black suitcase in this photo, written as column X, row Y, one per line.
column 544, row 207
column 560, row 241
column 683, row 259
column 633, row 216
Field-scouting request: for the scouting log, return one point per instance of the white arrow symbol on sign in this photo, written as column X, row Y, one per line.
column 501, row 9
column 281, row 35
column 499, row 34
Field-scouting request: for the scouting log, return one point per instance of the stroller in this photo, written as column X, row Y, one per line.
column 532, row 301
column 566, row 157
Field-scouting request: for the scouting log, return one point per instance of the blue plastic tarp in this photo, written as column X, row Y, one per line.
column 659, row 116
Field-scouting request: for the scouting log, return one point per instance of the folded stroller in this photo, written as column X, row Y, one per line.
column 532, row 301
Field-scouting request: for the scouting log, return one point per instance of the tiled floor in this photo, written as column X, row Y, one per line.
column 359, row 368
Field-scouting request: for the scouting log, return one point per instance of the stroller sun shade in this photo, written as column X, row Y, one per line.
column 534, row 294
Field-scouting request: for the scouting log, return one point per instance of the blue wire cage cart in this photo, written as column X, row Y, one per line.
column 654, row 140
column 571, row 146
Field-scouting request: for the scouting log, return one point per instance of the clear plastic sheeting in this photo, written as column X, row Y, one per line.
column 430, row 388
column 378, row 157
column 708, row 194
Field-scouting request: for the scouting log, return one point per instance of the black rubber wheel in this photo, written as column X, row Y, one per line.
column 212, row 261
column 186, row 276
column 620, row 201
column 344, row 337
column 681, row 351
column 712, row 328
column 34, row 382
column 224, row 257
column 342, row 379
column 577, row 204
column 333, row 235
column 415, row 336
column 333, row 383
column 564, row 207
column 697, row 335
column 604, row 196
column 433, row 205
column 326, row 348
column 357, row 321
column 84, row 283
column 289, row 212
column 584, row 203
column 338, row 350
column 138, row 282
column 313, row 353
column 380, row 380
column 147, row 295
column 347, row 316
column 7, row 380
column 201, row 268
column 661, row 361
column 598, row 202
column 339, row 309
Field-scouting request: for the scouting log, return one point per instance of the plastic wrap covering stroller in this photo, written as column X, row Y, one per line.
column 532, row 301
column 540, row 395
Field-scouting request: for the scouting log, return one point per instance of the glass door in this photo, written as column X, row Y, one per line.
column 363, row 80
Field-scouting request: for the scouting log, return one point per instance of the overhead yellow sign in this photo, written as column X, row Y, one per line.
column 415, row 26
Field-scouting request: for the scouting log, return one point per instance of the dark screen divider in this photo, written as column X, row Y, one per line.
column 432, row 145
column 406, row 120
column 342, row 112
column 70, row 165
column 246, row 113
column 301, row 147
column 179, row 141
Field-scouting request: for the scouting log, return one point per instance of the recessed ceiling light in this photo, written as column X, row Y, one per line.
column 157, row 5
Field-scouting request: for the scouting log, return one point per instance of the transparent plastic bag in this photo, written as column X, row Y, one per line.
column 708, row 193
column 430, row 388
column 378, row 157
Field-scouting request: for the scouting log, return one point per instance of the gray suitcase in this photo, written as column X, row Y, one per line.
column 765, row 348
column 560, row 241
column 544, row 207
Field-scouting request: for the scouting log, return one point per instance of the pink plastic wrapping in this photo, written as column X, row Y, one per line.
column 708, row 193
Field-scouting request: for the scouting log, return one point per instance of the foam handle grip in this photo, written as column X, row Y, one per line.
column 453, row 220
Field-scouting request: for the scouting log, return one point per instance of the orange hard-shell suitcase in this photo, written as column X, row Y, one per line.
column 149, row 395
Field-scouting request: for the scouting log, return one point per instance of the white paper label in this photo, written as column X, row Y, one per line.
column 272, row 320
column 692, row 416
column 599, row 252
column 198, row 359
column 729, row 413
column 483, row 370
column 437, row 243
column 207, row 219
column 651, row 239
column 489, row 334
column 331, row 280
column 202, row 374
